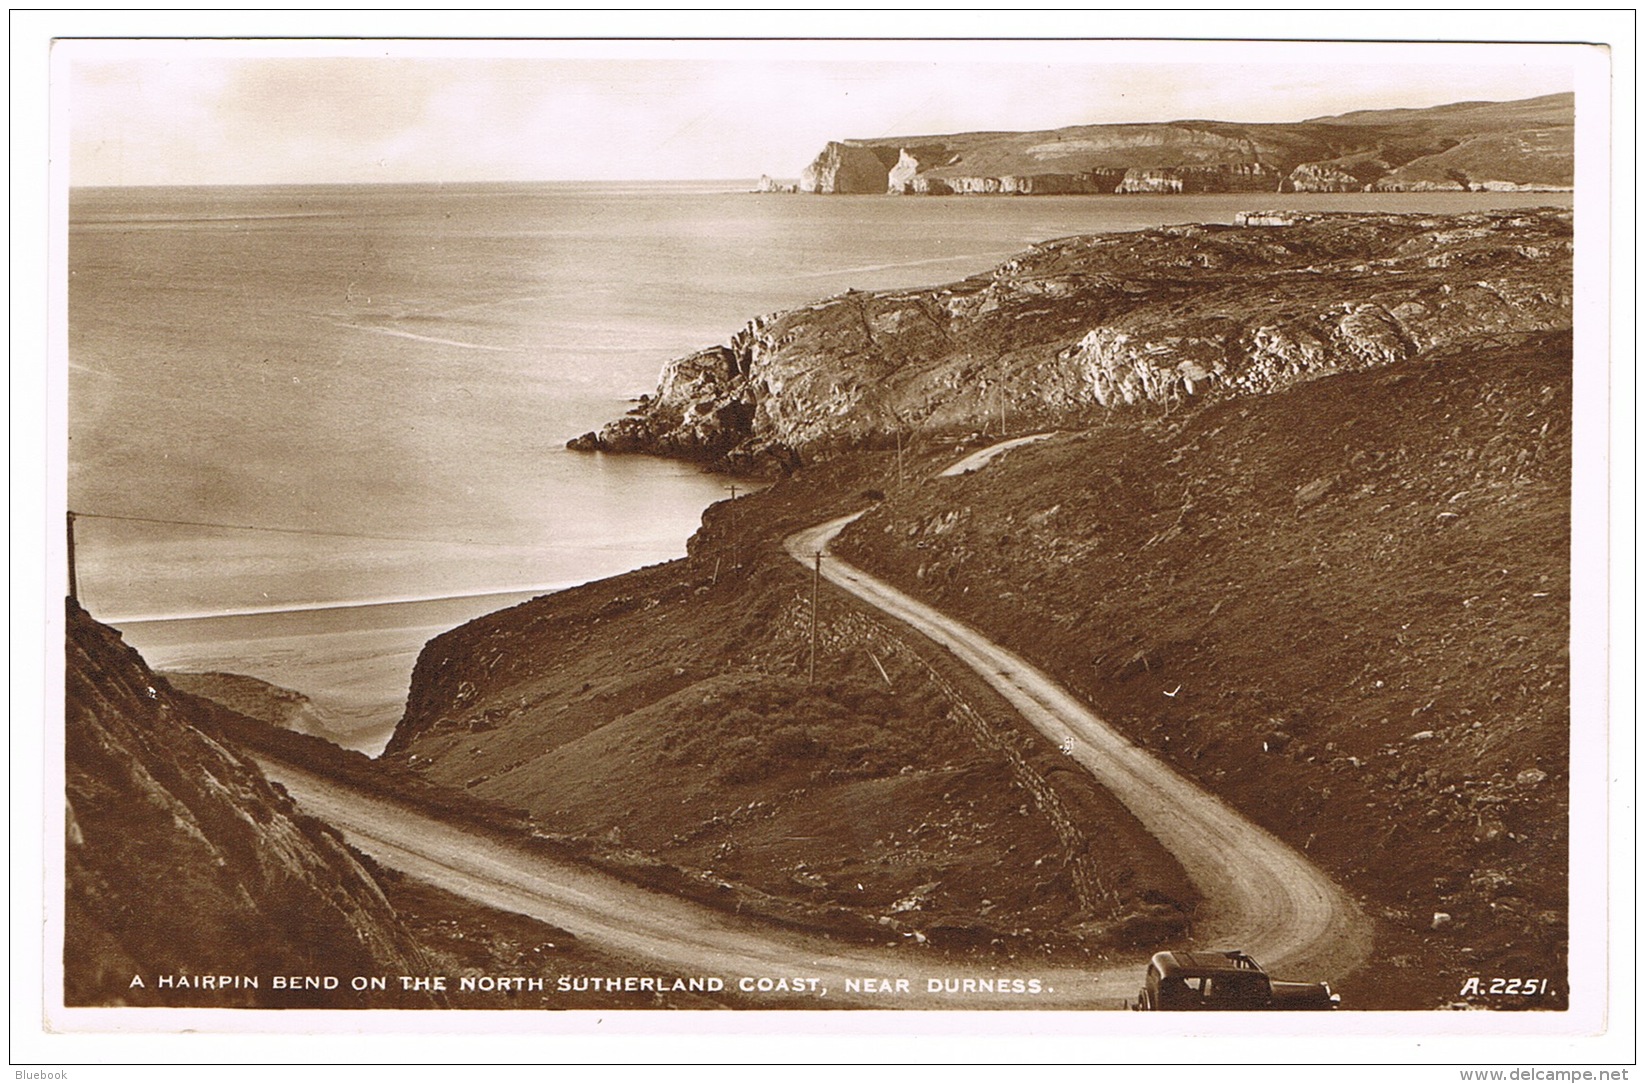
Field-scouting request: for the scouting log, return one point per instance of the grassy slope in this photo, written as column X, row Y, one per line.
column 454, row 937
column 1343, row 607
column 1462, row 117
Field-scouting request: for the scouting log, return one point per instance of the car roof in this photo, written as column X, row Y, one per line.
column 1204, row 963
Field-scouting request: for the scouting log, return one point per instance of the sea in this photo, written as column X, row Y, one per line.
column 312, row 427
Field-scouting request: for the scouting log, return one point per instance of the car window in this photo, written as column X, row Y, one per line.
column 1233, row 987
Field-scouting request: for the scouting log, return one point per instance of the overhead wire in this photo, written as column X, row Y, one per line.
column 307, row 531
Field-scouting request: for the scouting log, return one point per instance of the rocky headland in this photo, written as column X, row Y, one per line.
column 1072, row 329
column 260, row 700
column 1468, row 146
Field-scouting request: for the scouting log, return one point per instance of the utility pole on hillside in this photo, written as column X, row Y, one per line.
column 734, row 564
column 901, row 424
column 816, row 577
column 74, row 586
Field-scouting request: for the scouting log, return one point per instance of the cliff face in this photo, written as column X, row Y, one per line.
column 1012, row 184
column 1076, row 326
column 183, row 860
column 1231, row 177
column 845, row 168
column 1323, row 177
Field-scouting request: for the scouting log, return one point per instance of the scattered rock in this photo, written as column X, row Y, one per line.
column 1492, row 882
column 1266, row 218
column 1314, row 490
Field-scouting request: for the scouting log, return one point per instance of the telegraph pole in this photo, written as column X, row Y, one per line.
column 734, row 563
column 816, row 576
column 898, row 418
column 74, row 586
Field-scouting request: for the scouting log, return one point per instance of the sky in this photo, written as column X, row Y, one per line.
column 215, row 112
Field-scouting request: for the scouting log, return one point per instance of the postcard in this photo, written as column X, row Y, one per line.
column 555, row 534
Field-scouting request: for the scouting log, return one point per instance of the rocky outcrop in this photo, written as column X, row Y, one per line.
column 1322, row 177
column 845, row 168
column 184, row 861
column 1265, row 218
column 1081, row 325
column 703, row 408
column 1457, row 183
column 1032, row 184
column 1240, row 177
column 912, row 176
column 1471, row 144
column 902, row 177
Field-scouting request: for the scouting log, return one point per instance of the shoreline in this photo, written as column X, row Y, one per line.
column 352, row 662
column 523, row 593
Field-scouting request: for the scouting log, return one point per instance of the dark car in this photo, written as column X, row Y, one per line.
column 1224, row 982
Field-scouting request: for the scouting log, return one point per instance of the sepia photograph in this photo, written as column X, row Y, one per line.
column 1048, row 529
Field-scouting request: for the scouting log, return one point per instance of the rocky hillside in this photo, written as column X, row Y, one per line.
column 1470, row 145
column 1343, row 607
column 183, row 860
column 1072, row 328
column 1303, row 530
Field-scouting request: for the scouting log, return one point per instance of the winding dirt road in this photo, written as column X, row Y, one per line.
column 984, row 456
column 678, row 939
column 1258, row 894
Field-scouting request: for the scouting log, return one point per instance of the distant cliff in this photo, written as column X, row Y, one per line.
column 1470, row 145
column 184, row 861
column 1078, row 326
